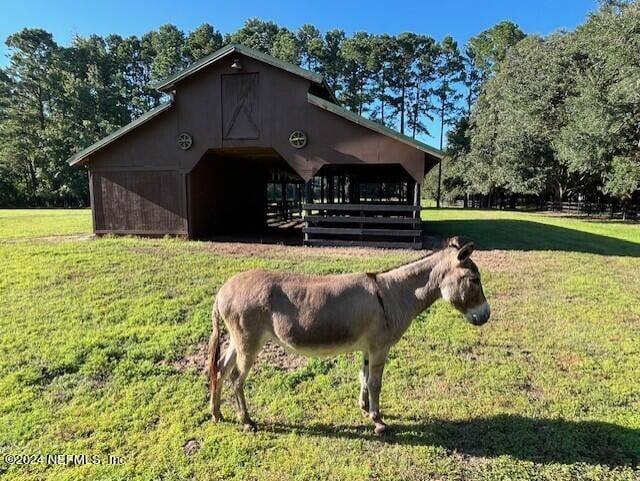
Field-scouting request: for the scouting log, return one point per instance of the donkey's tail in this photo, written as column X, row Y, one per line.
column 213, row 355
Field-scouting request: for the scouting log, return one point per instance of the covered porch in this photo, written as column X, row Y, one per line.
column 376, row 205
column 253, row 194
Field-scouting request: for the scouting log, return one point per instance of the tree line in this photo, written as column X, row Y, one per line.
column 524, row 114
column 557, row 118
column 55, row 100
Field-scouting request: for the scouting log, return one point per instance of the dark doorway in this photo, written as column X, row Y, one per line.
column 244, row 194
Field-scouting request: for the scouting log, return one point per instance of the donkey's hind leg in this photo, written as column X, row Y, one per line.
column 363, row 401
column 225, row 365
column 244, row 361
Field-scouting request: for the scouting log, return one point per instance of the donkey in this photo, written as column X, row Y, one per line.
column 329, row 315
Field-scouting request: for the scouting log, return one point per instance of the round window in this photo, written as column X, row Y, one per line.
column 298, row 139
column 185, row 141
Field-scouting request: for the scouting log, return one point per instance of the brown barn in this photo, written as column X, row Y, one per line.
column 248, row 142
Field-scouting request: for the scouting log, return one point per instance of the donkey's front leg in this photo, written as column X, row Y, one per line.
column 377, row 360
column 363, row 401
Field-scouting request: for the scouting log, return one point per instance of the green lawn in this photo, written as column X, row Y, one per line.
column 529, row 231
column 29, row 223
column 92, row 332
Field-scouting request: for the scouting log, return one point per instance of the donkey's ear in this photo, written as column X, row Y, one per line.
column 454, row 242
column 465, row 252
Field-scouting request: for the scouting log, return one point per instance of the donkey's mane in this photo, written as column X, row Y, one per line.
column 410, row 263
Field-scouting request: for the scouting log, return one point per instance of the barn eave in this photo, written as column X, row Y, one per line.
column 434, row 154
column 84, row 154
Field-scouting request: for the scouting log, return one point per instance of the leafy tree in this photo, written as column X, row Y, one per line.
column 257, row 34
column 425, row 74
column 623, row 180
column 615, row 4
column 201, row 42
column 483, row 173
column 166, row 46
column 357, row 54
column 449, row 72
column 332, row 62
column 27, row 80
column 406, row 50
column 382, row 50
column 601, row 138
column 286, row 47
column 456, row 159
column 520, row 115
column 559, row 115
column 311, row 46
column 484, row 53
column 489, row 48
column 133, row 63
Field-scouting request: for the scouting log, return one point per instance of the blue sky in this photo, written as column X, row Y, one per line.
column 460, row 18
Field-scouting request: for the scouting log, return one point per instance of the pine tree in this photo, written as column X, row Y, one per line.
column 449, row 73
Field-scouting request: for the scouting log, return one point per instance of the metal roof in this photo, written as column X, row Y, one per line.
column 370, row 124
column 170, row 81
column 77, row 158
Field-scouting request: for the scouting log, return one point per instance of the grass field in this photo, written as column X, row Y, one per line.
column 100, row 343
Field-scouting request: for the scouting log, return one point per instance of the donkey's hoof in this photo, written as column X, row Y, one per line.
column 382, row 430
column 250, row 427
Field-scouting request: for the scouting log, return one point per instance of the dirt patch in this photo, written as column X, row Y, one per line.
column 507, row 261
column 270, row 355
column 273, row 355
column 536, row 394
column 270, row 251
column 494, row 260
column 196, row 361
column 191, row 447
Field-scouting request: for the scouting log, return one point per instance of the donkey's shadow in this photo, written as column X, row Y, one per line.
column 538, row 440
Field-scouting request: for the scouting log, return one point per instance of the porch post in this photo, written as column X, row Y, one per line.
column 307, row 201
column 283, row 199
column 416, row 200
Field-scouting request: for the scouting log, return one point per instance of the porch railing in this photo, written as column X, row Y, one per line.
column 372, row 225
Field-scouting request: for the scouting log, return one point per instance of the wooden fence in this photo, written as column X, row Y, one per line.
column 371, row 225
column 612, row 210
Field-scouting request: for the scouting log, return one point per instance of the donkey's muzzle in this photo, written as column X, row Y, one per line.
column 479, row 315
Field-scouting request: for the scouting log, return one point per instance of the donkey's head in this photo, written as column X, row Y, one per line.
column 461, row 285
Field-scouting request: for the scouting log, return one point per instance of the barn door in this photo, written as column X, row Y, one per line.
column 240, row 106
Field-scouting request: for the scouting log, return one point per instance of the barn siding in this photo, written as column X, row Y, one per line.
column 139, row 202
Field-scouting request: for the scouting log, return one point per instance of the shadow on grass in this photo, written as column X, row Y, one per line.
column 537, row 440
column 527, row 235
